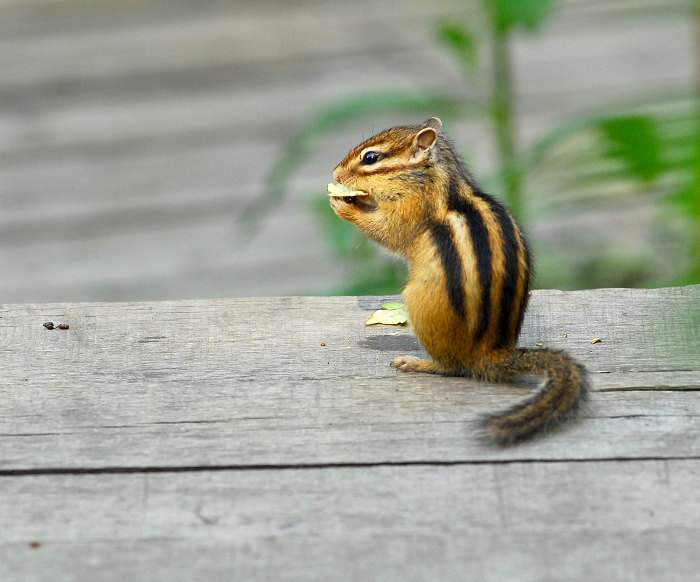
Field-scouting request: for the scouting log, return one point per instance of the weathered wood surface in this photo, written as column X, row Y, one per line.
column 221, row 440
column 589, row 522
column 133, row 134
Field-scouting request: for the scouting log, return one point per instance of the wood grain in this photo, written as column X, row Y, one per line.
column 267, row 438
column 599, row 521
column 235, row 383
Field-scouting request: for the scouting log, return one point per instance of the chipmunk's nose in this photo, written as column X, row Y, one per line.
column 339, row 175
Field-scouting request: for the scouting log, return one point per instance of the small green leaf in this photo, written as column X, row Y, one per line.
column 393, row 305
column 462, row 43
column 635, row 141
column 529, row 14
column 396, row 316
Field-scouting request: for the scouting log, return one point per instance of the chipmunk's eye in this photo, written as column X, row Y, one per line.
column 371, row 158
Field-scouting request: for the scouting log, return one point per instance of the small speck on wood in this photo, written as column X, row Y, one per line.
column 48, row 325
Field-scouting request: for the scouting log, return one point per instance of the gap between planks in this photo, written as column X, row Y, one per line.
column 323, row 466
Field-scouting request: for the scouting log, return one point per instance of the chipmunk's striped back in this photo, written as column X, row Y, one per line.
column 470, row 269
column 500, row 253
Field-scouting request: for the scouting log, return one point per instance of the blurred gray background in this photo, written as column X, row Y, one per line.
column 134, row 133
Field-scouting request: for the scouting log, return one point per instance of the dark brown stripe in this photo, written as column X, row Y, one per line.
column 509, row 289
column 479, row 235
column 451, row 264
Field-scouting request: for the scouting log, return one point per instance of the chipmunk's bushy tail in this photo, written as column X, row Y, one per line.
column 565, row 389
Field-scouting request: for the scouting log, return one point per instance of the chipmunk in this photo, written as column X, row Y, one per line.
column 470, row 270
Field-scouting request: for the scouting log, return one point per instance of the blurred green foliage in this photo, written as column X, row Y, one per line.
column 509, row 14
column 611, row 160
column 636, row 142
column 619, row 161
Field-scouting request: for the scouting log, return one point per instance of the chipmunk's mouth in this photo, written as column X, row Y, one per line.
column 361, row 200
column 364, row 203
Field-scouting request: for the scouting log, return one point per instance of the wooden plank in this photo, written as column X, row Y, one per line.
column 173, row 263
column 634, row 520
column 178, row 36
column 168, row 263
column 249, row 383
column 641, row 330
column 589, row 556
column 308, row 423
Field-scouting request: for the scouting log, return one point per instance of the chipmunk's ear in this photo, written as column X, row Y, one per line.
column 433, row 122
column 427, row 136
column 425, row 140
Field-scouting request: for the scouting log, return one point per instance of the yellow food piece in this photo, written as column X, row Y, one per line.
column 340, row 191
column 389, row 314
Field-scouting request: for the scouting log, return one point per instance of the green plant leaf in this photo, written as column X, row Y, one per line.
column 462, row 43
column 604, row 154
column 529, row 14
column 635, row 141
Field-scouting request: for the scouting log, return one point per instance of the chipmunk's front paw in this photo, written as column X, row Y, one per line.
column 412, row 364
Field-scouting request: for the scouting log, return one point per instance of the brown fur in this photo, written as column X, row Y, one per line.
column 470, row 270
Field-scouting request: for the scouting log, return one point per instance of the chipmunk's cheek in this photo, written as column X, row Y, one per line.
column 364, row 203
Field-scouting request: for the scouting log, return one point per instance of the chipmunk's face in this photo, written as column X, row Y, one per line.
column 393, row 170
